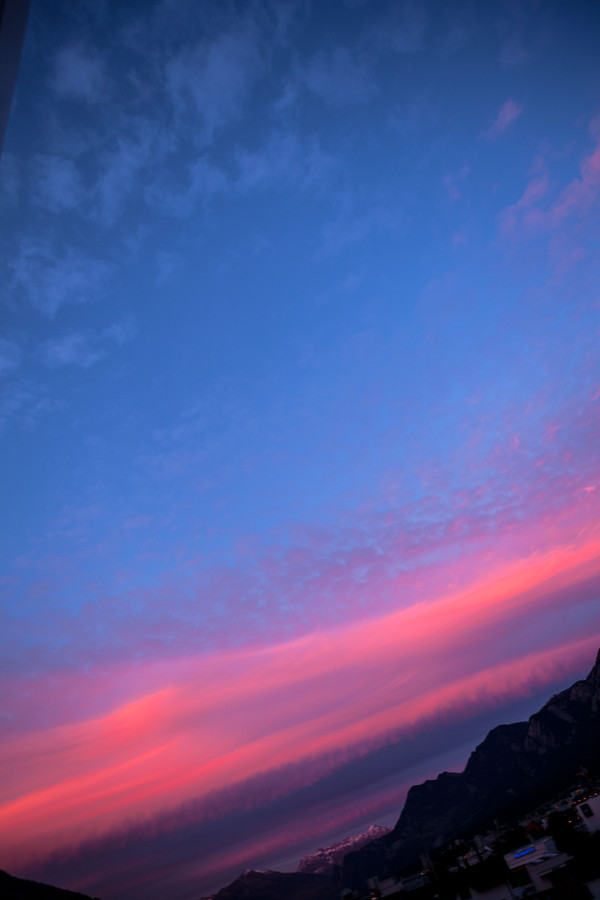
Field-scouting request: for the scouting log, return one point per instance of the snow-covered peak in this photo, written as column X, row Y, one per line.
column 326, row 857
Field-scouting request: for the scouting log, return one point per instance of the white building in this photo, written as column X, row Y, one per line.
column 589, row 813
column 532, row 865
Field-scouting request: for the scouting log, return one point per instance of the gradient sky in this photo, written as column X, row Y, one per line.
column 299, row 418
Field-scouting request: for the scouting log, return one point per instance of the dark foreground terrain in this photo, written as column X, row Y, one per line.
column 516, row 767
column 278, row 885
column 12, row 888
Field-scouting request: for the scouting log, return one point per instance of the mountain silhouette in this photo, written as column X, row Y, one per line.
column 516, row 767
column 12, row 888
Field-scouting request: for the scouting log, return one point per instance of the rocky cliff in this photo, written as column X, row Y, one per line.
column 325, row 859
column 515, row 767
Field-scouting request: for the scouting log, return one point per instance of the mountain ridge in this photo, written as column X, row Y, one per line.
column 13, row 888
column 512, row 769
column 326, row 858
column 516, row 766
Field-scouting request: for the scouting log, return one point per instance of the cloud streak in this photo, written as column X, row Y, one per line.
column 333, row 503
column 80, row 74
column 509, row 112
column 224, row 720
column 338, row 79
column 48, row 278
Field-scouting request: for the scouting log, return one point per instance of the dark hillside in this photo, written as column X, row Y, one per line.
column 12, row 888
column 515, row 767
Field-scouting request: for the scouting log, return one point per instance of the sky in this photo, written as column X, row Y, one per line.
column 299, row 418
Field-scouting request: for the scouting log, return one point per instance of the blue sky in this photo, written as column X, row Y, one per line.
column 299, row 332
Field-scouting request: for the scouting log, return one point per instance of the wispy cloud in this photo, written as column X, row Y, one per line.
column 509, row 112
column 121, row 332
column 179, row 764
column 58, row 183
column 215, row 77
column 541, row 210
column 203, row 181
column 24, row 402
column 83, row 348
column 338, row 78
column 523, row 28
column 77, row 349
column 402, row 29
column 356, row 224
column 141, row 148
column 246, row 582
column 284, row 160
column 455, row 36
column 80, row 74
column 48, row 278
column 452, row 182
column 10, row 356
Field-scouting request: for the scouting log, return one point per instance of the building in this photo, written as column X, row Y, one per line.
column 589, row 813
column 533, row 868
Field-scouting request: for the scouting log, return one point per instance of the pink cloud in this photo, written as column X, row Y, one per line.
column 582, row 193
column 314, row 703
column 452, row 182
column 537, row 211
column 126, row 848
column 508, row 113
column 526, row 209
column 332, row 573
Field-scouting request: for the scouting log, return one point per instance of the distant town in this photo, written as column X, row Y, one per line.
column 522, row 820
column 551, row 853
